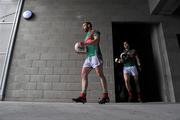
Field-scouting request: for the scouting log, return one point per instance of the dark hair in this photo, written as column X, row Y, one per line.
column 126, row 41
column 88, row 23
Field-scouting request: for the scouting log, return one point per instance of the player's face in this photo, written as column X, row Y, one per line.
column 126, row 45
column 85, row 27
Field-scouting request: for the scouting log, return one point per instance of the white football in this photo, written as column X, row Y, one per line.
column 78, row 48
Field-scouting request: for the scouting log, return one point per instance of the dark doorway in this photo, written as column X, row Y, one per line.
column 178, row 38
column 138, row 36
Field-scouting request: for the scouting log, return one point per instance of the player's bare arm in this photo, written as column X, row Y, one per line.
column 95, row 39
column 138, row 61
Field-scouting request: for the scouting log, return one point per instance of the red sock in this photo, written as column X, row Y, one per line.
column 105, row 95
column 82, row 94
column 130, row 94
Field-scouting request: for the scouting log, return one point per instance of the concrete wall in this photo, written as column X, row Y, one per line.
column 165, row 7
column 171, row 28
column 44, row 66
column 153, row 5
column 7, row 13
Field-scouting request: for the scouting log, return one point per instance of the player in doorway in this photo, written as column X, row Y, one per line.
column 130, row 61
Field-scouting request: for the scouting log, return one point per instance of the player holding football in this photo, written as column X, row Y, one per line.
column 93, row 61
column 129, row 59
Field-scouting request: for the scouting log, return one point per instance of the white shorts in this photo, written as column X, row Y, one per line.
column 131, row 70
column 93, row 62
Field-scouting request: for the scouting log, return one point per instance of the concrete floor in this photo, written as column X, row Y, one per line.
column 89, row 111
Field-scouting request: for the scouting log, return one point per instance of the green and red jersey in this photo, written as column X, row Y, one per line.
column 129, row 57
column 93, row 49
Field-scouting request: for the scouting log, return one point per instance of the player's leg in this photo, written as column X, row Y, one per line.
column 97, row 64
column 137, row 88
column 126, row 76
column 99, row 72
column 84, row 81
column 136, row 79
column 84, row 77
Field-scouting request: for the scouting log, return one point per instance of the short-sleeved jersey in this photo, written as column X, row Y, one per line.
column 128, row 57
column 93, row 50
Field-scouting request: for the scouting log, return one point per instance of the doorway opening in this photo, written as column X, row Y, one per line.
column 139, row 37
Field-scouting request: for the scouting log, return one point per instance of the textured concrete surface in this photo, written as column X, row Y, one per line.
column 89, row 111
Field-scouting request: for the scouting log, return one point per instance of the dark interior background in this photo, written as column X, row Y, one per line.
column 138, row 36
column 178, row 38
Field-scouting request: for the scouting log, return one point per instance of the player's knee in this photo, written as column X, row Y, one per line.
column 84, row 75
column 99, row 74
column 136, row 78
column 126, row 79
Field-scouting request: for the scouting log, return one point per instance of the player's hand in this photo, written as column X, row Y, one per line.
column 116, row 60
column 81, row 44
column 139, row 68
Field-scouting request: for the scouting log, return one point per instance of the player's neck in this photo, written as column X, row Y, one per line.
column 90, row 30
